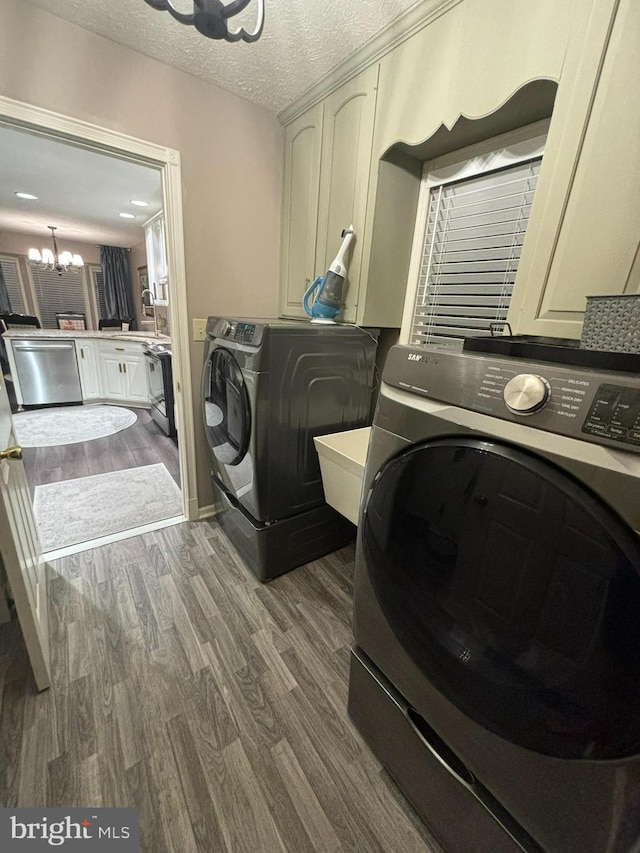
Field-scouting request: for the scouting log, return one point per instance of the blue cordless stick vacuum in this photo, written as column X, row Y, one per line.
column 328, row 298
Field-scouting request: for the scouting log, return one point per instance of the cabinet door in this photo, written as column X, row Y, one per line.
column 157, row 265
column 136, row 378
column 113, row 377
column 88, row 369
column 303, row 140
column 347, row 136
column 587, row 239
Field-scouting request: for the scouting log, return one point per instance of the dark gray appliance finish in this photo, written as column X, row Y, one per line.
column 159, row 358
column 269, row 387
column 497, row 599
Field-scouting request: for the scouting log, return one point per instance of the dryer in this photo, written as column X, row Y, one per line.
column 269, row 387
column 496, row 665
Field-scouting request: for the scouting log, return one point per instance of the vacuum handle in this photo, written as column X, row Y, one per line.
column 308, row 293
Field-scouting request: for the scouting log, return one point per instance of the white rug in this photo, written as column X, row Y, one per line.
column 76, row 511
column 70, row 424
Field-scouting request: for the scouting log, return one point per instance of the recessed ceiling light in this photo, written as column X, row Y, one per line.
column 127, row 215
column 139, row 203
column 30, row 196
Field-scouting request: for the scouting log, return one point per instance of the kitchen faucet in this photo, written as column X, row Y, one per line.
column 148, row 290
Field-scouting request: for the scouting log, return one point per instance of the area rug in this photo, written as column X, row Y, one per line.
column 76, row 511
column 70, row 424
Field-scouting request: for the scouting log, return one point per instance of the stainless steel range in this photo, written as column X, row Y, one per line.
column 158, row 357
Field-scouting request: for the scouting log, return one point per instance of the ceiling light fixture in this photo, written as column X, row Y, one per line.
column 139, row 203
column 30, row 196
column 60, row 262
column 210, row 18
column 127, row 215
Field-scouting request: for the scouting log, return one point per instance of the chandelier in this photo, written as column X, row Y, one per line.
column 53, row 260
column 210, row 18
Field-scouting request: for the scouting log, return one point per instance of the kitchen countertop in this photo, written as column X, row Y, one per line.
column 114, row 334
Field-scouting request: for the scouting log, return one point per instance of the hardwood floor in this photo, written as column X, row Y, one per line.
column 144, row 443
column 213, row 703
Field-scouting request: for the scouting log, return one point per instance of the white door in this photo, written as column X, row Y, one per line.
column 20, row 548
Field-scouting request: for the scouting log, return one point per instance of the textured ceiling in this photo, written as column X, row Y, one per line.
column 79, row 191
column 302, row 40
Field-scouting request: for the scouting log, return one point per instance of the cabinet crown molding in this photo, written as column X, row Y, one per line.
column 397, row 31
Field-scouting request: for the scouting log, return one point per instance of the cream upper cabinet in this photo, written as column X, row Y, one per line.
column 347, row 135
column 303, row 145
column 585, row 238
column 468, row 61
column 327, row 161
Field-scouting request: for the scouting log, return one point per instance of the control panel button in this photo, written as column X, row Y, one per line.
column 526, row 393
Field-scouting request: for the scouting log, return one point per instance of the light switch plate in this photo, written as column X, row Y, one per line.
column 199, row 330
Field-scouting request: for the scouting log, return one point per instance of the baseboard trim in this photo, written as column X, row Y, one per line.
column 207, row 511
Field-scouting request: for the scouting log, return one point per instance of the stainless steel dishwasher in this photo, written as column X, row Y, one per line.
column 47, row 371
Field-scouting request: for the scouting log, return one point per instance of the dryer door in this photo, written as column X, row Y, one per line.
column 227, row 413
column 514, row 589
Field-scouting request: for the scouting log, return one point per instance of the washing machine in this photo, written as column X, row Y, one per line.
column 269, row 387
column 496, row 665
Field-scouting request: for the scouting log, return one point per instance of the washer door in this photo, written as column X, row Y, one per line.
column 227, row 413
column 515, row 590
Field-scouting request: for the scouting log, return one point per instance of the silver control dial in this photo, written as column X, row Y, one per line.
column 225, row 328
column 526, row 393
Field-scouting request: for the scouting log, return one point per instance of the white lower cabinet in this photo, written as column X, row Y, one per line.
column 88, row 370
column 136, row 378
column 123, row 373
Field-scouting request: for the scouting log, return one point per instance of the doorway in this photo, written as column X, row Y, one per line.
column 139, row 444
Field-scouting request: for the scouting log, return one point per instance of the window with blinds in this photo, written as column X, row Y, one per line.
column 98, row 289
column 11, row 273
column 58, row 293
column 475, row 213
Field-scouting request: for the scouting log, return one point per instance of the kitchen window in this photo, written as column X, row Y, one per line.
column 472, row 218
column 59, row 293
column 97, row 284
column 13, row 280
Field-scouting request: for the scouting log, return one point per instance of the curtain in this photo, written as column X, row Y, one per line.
column 116, row 282
column 5, row 302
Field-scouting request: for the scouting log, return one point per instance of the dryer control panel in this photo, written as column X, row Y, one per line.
column 598, row 406
column 615, row 413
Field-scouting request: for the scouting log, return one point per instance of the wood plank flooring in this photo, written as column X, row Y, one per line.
column 213, row 703
column 144, row 443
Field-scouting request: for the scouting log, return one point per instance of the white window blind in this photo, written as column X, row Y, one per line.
column 58, row 293
column 11, row 274
column 474, row 234
column 98, row 289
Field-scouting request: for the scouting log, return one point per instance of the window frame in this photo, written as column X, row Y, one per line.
column 507, row 149
column 88, row 306
column 92, row 272
column 9, row 256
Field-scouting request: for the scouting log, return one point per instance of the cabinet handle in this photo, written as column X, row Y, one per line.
column 119, row 368
column 119, row 349
column 124, row 368
column 81, row 353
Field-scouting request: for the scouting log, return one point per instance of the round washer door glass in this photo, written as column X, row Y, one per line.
column 227, row 414
column 515, row 590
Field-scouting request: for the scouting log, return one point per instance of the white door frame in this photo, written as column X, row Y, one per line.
column 167, row 160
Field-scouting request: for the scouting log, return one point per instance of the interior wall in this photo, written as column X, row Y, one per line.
column 231, row 155
column 17, row 243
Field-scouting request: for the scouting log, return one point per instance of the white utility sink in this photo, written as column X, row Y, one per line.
column 342, row 460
